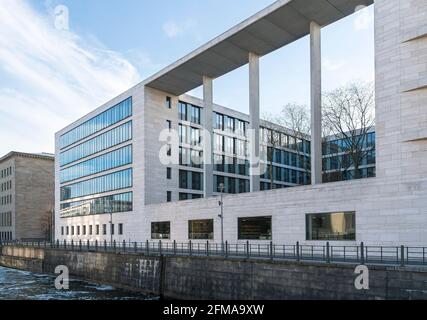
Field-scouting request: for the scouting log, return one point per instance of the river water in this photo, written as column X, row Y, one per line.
column 21, row 285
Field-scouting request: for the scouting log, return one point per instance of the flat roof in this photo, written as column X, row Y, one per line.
column 280, row 24
column 46, row 156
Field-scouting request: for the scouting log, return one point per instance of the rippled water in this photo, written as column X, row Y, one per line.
column 21, row 285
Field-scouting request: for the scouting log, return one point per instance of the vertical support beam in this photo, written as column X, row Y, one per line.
column 207, row 136
column 316, row 103
column 254, row 113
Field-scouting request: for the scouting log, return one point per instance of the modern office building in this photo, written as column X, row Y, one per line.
column 123, row 168
column 26, row 196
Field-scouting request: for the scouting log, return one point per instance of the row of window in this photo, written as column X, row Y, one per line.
column 339, row 226
column 344, row 175
column 6, row 185
column 229, row 124
column 5, row 172
column 343, row 145
column 111, row 160
column 189, row 112
column 6, row 219
column 6, row 200
column 102, row 142
column 257, row 228
column 190, row 180
column 285, row 175
column 230, row 145
column 113, row 115
column 189, row 135
column 283, row 140
column 111, row 182
column 91, row 230
column 109, row 204
column 190, row 158
column 346, row 161
column 6, row 236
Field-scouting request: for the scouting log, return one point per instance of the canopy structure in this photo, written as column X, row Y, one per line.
column 280, row 24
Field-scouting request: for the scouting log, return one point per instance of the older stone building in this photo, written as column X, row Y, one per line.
column 26, row 196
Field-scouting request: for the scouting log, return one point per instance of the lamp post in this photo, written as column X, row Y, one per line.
column 221, row 204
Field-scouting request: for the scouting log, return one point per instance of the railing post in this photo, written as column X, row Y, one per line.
column 271, row 250
column 124, row 245
column 147, row 248
column 96, row 245
column 72, row 245
column 297, row 251
column 226, row 248
column 135, row 246
column 80, row 244
column 207, row 248
column 88, row 245
column 190, row 248
column 328, row 254
column 105, row 245
column 248, row 252
column 174, row 247
column 57, row 243
column 402, row 256
column 65, row 244
column 160, row 247
column 362, row 253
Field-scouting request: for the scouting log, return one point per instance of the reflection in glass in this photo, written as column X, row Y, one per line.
column 331, row 226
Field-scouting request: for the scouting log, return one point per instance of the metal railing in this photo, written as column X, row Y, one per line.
column 359, row 254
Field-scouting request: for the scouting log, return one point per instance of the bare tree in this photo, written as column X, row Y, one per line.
column 349, row 113
column 272, row 139
column 296, row 117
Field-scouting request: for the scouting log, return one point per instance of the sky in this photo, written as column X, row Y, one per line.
column 60, row 60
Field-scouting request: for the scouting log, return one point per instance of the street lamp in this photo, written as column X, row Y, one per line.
column 221, row 216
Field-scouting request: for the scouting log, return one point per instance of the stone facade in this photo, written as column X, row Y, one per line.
column 391, row 209
column 32, row 195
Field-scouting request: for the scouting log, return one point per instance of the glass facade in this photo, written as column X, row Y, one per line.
column 338, row 164
column 331, row 226
column 102, row 142
column 113, row 115
column 114, row 181
column 189, row 112
column 111, row 160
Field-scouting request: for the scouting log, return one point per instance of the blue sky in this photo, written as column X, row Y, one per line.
column 50, row 77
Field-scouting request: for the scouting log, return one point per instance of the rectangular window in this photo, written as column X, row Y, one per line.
column 72, row 230
column 78, row 230
column 90, row 230
column 331, row 226
column 97, row 229
column 68, row 231
column 160, row 230
column 169, row 173
column 201, row 229
column 169, row 102
column 62, row 231
column 256, row 228
column 169, row 124
column 104, row 229
column 121, row 229
column 112, row 229
column 84, row 230
column 169, row 196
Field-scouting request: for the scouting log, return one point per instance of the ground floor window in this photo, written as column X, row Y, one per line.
column 201, row 229
column 161, row 230
column 331, row 226
column 255, row 228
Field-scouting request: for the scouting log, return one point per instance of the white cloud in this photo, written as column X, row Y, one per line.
column 173, row 29
column 330, row 65
column 57, row 76
column 364, row 18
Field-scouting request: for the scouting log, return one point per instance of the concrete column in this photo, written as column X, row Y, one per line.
column 207, row 136
column 316, row 103
column 254, row 113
